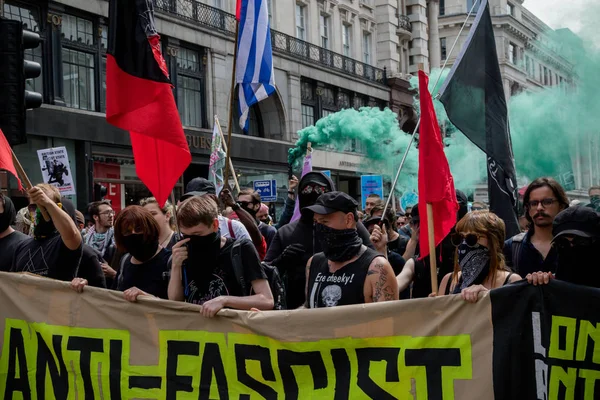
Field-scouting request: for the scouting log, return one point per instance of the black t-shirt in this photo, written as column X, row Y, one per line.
column 8, row 245
column 398, row 245
column 173, row 241
column 90, row 268
column 268, row 232
column 201, row 283
column 47, row 257
column 152, row 276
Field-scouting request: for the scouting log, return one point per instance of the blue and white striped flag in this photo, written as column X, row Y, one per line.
column 254, row 69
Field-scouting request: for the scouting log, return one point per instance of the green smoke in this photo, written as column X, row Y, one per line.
column 375, row 131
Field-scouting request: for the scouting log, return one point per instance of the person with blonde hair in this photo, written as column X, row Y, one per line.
column 480, row 264
column 56, row 249
column 164, row 216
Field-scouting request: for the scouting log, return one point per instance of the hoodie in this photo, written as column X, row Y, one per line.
column 301, row 233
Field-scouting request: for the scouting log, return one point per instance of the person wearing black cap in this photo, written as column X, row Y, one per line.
column 576, row 239
column 346, row 272
column 229, row 228
column 9, row 238
column 295, row 243
column 396, row 242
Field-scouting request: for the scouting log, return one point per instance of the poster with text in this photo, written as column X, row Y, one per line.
column 56, row 170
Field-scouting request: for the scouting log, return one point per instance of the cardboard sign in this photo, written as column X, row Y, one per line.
column 56, row 170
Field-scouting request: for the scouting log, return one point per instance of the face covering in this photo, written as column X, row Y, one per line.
column 139, row 248
column 250, row 211
column 595, row 200
column 203, row 255
column 8, row 215
column 43, row 229
column 474, row 263
column 339, row 245
column 579, row 265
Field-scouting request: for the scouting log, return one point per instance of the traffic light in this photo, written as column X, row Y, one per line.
column 14, row 71
column 99, row 192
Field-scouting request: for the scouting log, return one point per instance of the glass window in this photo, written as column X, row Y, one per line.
column 29, row 20
column 300, row 27
column 270, row 10
column 255, row 123
column 346, row 39
column 307, row 91
column 308, row 115
column 442, row 7
column 217, row 4
column 324, row 31
column 511, row 53
column 103, row 86
column 103, row 37
column 358, row 102
column 366, row 47
column 443, row 48
column 78, row 79
column 510, row 9
column 470, row 4
column 325, row 113
column 77, row 29
column 343, row 100
column 189, row 88
column 327, row 97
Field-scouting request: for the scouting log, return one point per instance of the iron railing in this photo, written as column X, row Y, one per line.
column 404, row 23
column 214, row 18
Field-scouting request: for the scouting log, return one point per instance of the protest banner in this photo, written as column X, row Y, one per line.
column 59, row 344
column 56, row 169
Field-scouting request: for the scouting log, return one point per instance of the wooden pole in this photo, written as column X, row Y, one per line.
column 231, row 105
column 432, row 255
column 237, row 185
column 21, row 173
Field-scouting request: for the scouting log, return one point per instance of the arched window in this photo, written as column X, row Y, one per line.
column 255, row 127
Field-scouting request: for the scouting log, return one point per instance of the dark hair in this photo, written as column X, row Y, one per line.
column 378, row 207
column 252, row 193
column 558, row 191
column 94, row 208
column 135, row 218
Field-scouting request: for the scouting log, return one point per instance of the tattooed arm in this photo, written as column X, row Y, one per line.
column 381, row 284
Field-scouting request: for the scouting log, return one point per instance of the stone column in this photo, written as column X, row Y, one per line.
column 435, row 53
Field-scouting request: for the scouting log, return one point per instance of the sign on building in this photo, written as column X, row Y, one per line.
column 267, row 189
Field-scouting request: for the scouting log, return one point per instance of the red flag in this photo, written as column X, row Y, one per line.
column 238, row 10
column 6, row 159
column 436, row 185
column 139, row 97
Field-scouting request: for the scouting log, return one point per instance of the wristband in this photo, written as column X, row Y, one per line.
column 291, row 192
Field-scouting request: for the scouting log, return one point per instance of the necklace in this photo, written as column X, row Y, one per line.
column 167, row 240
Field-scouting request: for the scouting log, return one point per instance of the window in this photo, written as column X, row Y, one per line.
column 346, row 40
column 471, row 3
column 189, row 87
column 29, row 19
column 270, row 11
column 359, row 102
column 443, row 48
column 343, row 100
column 324, row 32
column 255, row 127
column 442, row 7
column 545, row 76
column 218, row 4
column 308, row 115
column 366, row 48
column 300, row 27
column 510, row 9
column 512, row 53
column 78, row 61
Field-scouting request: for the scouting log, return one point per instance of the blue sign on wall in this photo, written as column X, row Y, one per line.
column 370, row 184
column 267, row 189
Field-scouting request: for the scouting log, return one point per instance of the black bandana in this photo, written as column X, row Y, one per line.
column 474, row 263
column 338, row 245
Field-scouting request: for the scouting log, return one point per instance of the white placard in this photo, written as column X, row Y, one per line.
column 56, row 170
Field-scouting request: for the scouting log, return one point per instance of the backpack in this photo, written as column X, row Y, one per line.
column 272, row 273
column 517, row 245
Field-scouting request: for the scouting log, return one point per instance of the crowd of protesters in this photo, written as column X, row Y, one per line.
column 221, row 251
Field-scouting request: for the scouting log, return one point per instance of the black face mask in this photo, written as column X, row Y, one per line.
column 43, row 229
column 474, row 265
column 338, row 245
column 579, row 265
column 139, row 248
column 250, row 211
column 7, row 217
column 203, row 250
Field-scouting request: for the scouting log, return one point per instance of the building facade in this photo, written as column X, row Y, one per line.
column 328, row 55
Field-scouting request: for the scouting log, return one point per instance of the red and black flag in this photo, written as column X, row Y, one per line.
column 139, row 97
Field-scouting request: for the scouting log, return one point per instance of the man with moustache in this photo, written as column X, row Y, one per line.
column 532, row 251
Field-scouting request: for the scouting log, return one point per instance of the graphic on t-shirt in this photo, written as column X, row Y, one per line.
column 216, row 288
column 331, row 295
column 30, row 265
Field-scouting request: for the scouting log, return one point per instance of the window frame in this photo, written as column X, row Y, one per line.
column 367, row 47
column 300, row 22
column 347, row 40
column 199, row 75
column 325, row 31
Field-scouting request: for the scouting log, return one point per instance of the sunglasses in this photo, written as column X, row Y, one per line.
column 470, row 239
column 244, row 204
column 576, row 241
column 314, row 188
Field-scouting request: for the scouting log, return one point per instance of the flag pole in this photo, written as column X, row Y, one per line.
column 432, row 255
column 237, row 185
column 26, row 181
column 231, row 105
column 412, row 139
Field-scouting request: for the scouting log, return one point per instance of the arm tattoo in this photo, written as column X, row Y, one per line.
column 381, row 291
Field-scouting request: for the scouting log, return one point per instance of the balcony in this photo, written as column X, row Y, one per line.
column 213, row 18
column 404, row 30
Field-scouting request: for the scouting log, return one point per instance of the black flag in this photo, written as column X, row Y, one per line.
column 473, row 96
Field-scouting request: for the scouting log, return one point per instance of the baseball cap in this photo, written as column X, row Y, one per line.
column 200, row 185
column 191, row 194
column 578, row 221
column 331, row 202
